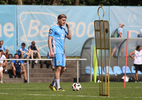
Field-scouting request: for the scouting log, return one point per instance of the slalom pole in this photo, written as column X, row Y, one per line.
column 126, row 58
column 95, row 64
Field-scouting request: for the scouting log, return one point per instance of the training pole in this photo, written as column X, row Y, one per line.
column 95, row 64
column 126, row 58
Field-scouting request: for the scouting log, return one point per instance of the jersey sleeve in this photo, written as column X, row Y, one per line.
column 29, row 47
column 51, row 31
column 21, row 61
column 13, row 61
column 4, row 48
column 119, row 30
column 25, row 49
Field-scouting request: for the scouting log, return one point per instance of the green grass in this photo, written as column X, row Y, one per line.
column 90, row 91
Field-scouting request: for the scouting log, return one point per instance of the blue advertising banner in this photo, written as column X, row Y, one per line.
column 8, row 27
column 34, row 23
column 130, row 16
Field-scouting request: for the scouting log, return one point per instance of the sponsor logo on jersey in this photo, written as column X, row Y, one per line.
column 58, row 62
column 50, row 31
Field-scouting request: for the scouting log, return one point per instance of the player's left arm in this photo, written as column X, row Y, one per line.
column 37, row 48
column 69, row 32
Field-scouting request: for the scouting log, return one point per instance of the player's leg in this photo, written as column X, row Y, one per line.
column 52, row 85
column 30, row 54
column 14, row 71
column 38, row 54
column 122, row 52
column 21, row 55
column 113, row 51
column 62, row 63
column 1, row 74
column 24, row 74
column 5, row 65
column 136, row 74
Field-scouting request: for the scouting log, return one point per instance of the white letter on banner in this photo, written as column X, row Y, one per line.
column 42, row 30
column 33, row 27
column 132, row 20
column 88, row 30
column 0, row 31
column 83, row 31
column 132, row 31
column 72, row 28
column 5, row 29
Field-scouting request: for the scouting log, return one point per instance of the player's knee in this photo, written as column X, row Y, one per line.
column 59, row 68
column 24, row 71
column 63, row 69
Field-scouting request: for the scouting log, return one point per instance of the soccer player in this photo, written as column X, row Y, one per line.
column 3, row 62
column 57, row 34
column 1, row 73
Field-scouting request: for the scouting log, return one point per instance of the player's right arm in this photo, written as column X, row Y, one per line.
column 12, row 64
column 130, row 54
column 50, row 38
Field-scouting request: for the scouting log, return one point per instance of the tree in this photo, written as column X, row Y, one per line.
column 19, row 2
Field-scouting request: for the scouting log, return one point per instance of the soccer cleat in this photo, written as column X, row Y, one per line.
column 52, row 87
column 60, row 89
column 25, row 81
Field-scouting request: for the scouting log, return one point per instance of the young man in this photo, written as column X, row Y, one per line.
column 1, row 73
column 34, row 52
column 5, row 50
column 56, row 40
column 120, row 35
column 3, row 62
column 16, row 67
column 23, row 52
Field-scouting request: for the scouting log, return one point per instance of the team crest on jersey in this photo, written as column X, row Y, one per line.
column 50, row 31
column 58, row 62
column 64, row 31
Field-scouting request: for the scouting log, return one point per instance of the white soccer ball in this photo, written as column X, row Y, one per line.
column 76, row 86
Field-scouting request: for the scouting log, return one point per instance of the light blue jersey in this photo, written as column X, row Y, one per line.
column 120, row 30
column 58, row 33
column 25, row 50
column 3, row 48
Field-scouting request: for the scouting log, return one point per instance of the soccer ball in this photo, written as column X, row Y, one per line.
column 76, row 86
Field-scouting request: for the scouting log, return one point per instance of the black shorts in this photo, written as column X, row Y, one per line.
column 138, row 67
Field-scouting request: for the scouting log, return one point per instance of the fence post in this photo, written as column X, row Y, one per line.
column 28, row 71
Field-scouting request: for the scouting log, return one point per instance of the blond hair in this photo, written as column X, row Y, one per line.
column 62, row 16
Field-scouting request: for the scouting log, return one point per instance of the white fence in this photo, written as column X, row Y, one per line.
column 77, row 59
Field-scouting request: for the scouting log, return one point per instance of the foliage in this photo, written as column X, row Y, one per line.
column 74, row 2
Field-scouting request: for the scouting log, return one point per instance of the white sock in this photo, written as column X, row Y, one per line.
column 58, row 83
column 53, row 82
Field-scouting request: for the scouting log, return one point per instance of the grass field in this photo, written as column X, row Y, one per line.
column 90, row 91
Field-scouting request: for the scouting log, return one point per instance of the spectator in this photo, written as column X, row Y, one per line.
column 5, row 50
column 34, row 52
column 23, row 52
column 1, row 73
column 120, row 35
column 140, row 35
column 3, row 62
column 16, row 67
column 137, row 60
